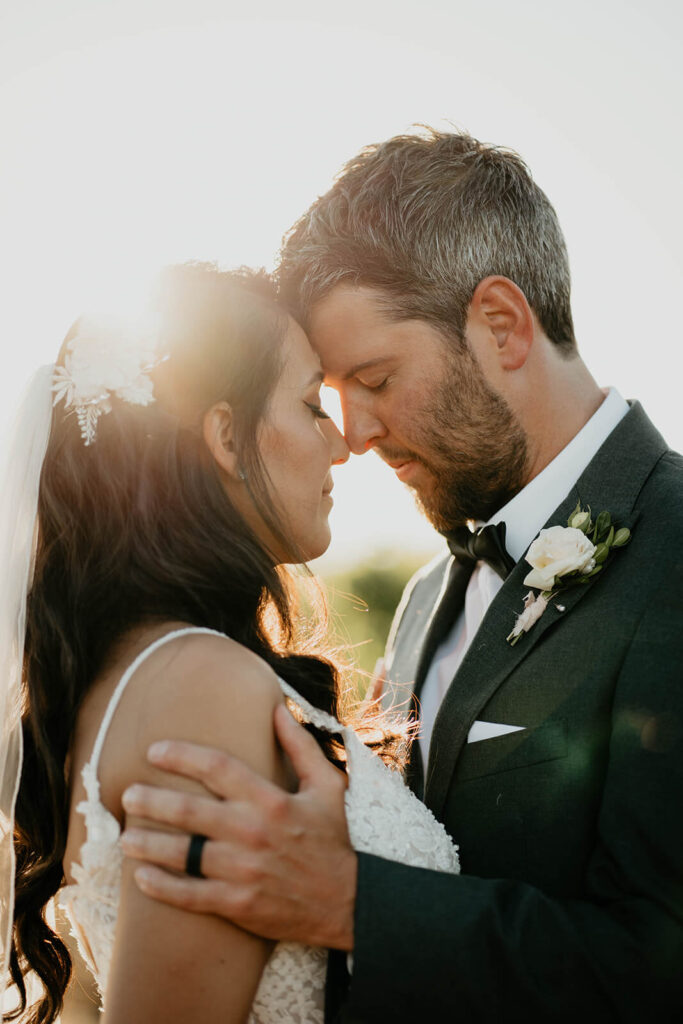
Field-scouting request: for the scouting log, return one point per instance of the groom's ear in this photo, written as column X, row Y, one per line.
column 218, row 431
column 501, row 319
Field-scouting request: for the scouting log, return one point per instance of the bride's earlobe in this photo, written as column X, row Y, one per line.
column 219, row 438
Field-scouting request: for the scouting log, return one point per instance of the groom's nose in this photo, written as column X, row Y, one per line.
column 362, row 429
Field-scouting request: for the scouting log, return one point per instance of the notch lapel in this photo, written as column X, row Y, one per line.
column 612, row 481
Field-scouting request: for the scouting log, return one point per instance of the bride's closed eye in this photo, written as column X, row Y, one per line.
column 317, row 411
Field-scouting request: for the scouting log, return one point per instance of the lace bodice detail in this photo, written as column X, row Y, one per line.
column 384, row 818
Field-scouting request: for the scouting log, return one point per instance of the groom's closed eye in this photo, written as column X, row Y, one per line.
column 377, row 387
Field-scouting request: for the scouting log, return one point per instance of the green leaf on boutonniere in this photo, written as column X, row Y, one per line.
column 602, row 525
column 601, row 553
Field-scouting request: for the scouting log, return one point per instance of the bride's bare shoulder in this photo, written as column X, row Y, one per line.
column 211, row 665
column 201, row 688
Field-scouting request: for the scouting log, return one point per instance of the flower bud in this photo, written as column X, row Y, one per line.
column 581, row 521
column 621, row 537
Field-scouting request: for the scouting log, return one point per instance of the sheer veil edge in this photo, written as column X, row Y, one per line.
column 19, row 483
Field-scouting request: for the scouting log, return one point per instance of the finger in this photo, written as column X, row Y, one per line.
column 198, row 895
column 163, row 848
column 220, row 773
column 219, row 860
column 187, row 811
column 308, row 760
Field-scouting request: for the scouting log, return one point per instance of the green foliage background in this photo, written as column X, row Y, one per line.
column 362, row 602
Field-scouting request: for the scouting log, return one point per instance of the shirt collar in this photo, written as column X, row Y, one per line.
column 526, row 514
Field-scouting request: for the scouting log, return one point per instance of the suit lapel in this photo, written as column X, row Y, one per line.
column 612, row 481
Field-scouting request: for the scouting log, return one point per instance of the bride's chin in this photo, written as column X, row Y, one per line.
column 309, row 551
column 316, row 548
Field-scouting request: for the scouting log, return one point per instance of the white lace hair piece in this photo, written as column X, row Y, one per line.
column 107, row 357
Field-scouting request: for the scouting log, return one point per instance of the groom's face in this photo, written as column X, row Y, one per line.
column 421, row 401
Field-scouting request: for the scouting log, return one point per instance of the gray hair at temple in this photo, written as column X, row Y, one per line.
column 424, row 218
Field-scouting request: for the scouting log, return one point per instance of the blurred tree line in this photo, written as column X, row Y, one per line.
column 362, row 602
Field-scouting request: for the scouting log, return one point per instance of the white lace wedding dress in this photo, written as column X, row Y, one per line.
column 384, row 818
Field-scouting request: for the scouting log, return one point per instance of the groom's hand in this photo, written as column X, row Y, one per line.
column 275, row 863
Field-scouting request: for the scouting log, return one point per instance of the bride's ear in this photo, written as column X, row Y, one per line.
column 218, row 430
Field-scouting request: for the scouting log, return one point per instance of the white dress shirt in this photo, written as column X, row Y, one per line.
column 524, row 516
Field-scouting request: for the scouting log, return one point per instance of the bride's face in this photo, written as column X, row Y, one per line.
column 298, row 445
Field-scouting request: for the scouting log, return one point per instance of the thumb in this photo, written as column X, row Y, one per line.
column 307, row 758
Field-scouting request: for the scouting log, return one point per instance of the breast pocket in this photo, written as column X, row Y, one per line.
column 545, row 742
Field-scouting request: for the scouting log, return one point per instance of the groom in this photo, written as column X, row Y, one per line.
column 433, row 280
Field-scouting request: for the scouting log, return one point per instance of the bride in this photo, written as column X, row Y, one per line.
column 186, row 462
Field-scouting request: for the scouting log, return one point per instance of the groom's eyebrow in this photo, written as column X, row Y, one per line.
column 363, row 366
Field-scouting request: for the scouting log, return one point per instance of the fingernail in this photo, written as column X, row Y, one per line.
column 157, row 751
column 130, row 797
column 143, row 877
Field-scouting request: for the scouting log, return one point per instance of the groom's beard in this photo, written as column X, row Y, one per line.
column 474, row 449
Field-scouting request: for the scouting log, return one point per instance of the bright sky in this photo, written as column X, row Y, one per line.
column 137, row 132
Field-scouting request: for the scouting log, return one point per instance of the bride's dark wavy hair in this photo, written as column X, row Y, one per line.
column 137, row 528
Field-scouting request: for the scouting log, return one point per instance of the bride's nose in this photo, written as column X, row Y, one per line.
column 339, row 449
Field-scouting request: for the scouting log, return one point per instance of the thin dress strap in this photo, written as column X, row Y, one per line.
column 125, row 679
column 320, row 719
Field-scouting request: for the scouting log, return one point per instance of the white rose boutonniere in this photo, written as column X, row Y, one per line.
column 557, row 552
column 564, row 556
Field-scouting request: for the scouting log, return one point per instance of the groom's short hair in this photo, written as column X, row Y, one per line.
column 424, row 218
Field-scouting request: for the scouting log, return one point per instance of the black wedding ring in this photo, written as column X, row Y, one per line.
column 193, row 864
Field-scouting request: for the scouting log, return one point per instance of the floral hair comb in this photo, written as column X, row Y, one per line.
column 107, row 358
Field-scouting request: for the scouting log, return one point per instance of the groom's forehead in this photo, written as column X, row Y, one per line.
column 354, row 329
column 348, row 326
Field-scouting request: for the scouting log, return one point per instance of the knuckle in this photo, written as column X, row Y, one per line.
column 256, row 836
column 184, row 807
column 245, row 901
column 252, row 874
column 217, row 765
column 222, row 901
column 278, row 805
column 193, row 899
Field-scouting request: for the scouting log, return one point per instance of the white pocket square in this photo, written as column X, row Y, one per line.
column 487, row 731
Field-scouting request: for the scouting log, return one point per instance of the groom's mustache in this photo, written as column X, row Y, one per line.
column 395, row 458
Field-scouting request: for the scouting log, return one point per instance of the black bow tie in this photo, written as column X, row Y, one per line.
column 486, row 545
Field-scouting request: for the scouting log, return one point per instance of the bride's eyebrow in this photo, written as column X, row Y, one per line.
column 317, row 378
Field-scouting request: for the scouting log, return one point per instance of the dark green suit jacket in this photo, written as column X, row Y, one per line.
column 570, row 904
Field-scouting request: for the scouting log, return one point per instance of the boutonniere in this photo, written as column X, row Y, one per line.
column 566, row 556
